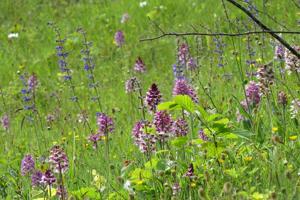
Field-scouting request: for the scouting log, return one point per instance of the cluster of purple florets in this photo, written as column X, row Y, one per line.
column 59, row 164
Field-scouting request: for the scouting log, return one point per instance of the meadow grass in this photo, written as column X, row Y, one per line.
column 256, row 158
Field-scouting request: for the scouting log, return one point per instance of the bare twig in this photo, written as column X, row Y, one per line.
column 265, row 28
column 217, row 34
column 273, row 19
column 157, row 26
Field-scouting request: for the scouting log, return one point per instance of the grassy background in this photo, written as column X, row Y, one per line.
column 34, row 51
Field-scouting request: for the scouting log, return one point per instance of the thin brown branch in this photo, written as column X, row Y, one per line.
column 217, row 34
column 265, row 28
column 157, row 26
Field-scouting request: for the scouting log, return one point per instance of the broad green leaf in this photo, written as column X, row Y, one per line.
column 241, row 109
column 169, row 105
column 179, row 142
column 185, row 102
column 213, row 117
column 126, row 170
column 197, row 141
column 162, row 151
column 152, row 163
column 212, row 150
column 153, row 14
column 161, row 165
column 232, row 172
column 37, row 193
column 201, row 112
column 136, row 173
column 228, row 135
column 140, row 174
column 259, row 196
column 117, row 195
column 243, row 133
column 223, row 121
column 87, row 192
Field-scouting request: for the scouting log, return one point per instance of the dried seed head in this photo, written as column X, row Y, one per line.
column 227, row 188
column 132, row 85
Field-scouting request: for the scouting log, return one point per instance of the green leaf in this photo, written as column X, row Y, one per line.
column 161, row 165
column 179, row 142
column 197, row 141
column 139, row 174
column 202, row 112
column 169, row 105
column 162, row 151
column 259, row 196
column 126, row 170
column 117, row 195
column 212, row 151
column 232, row 172
column 38, row 194
column 153, row 14
column 229, row 135
column 243, row 133
column 87, row 192
column 185, row 102
column 213, row 117
column 241, row 109
column 152, row 163
column 223, row 121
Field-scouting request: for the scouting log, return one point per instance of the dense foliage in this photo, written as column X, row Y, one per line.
column 87, row 111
